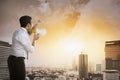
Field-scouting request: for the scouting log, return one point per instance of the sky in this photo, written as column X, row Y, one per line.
column 71, row 29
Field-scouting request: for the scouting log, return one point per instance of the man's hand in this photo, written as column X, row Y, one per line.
column 35, row 37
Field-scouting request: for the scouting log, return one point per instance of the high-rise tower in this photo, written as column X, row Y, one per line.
column 83, row 65
column 112, row 55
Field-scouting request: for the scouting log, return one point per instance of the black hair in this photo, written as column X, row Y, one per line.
column 24, row 20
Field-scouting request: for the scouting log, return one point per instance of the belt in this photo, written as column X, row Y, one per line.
column 16, row 57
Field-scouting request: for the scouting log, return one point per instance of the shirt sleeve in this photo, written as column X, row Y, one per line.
column 25, row 41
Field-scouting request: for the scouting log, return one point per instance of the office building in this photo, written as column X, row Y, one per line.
column 4, row 53
column 98, row 68
column 83, row 66
column 112, row 55
column 111, row 75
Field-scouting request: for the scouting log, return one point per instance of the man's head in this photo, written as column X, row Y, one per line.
column 25, row 22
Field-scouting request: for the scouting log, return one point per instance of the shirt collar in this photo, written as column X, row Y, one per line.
column 23, row 29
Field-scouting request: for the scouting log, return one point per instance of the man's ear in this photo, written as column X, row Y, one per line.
column 28, row 24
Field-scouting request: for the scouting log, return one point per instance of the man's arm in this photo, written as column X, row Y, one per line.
column 25, row 41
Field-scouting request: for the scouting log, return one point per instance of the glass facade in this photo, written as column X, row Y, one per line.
column 83, row 66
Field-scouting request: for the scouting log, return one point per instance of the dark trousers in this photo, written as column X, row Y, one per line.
column 16, row 68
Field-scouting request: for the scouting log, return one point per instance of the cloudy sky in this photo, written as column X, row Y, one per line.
column 85, row 26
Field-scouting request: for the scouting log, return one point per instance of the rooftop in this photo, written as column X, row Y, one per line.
column 116, row 42
column 3, row 43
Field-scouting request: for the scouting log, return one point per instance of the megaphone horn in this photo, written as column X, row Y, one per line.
column 34, row 27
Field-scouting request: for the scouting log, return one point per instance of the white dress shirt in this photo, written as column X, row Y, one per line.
column 21, row 44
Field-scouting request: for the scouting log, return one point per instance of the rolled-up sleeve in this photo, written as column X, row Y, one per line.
column 25, row 41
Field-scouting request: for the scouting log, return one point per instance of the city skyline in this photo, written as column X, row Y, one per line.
column 70, row 31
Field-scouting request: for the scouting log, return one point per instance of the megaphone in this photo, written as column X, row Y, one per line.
column 35, row 30
column 41, row 32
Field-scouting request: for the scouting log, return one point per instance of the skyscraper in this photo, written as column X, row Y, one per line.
column 112, row 55
column 83, row 66
column 98, row 68
column 4, row 52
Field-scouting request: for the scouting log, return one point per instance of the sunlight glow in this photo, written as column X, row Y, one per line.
column 72, row 47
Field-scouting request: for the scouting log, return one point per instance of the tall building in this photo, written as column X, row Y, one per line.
column 83, row 66
column 111, row 75
column 98, row 68
column 4, row 53
column 112, row 55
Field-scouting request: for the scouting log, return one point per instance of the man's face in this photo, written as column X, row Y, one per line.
column 29, row 29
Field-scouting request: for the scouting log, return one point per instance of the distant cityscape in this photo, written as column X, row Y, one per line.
column 80, row 72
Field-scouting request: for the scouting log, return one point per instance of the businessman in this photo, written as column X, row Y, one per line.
column 21, row 46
